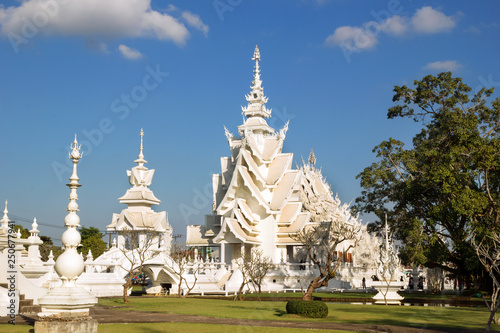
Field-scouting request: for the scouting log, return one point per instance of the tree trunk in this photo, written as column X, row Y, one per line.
column 240, row 291
column 308, row 296
column 180, row 286
column 493, row 317
column 125, row 288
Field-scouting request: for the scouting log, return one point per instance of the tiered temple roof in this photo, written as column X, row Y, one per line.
column 257, row 186
column 139, row 198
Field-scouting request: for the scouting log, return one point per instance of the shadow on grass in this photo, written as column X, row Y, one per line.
column 279, row 312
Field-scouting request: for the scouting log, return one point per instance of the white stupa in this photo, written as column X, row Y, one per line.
column 69, row 299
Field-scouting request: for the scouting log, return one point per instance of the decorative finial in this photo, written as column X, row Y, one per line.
column 141, row 155
column 75, row 150
column 140, row 159
column 34, row 226
column 89, row 256
column 312, row 158
column 228, row 134
column 256, row 53
column 5, row 218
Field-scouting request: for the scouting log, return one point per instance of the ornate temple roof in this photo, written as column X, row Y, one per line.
column 139, row 199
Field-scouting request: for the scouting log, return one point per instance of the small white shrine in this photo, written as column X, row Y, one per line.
column 388, row 272
column 139, row 215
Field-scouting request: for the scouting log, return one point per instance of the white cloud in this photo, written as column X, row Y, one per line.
column 425, row 20
column 430, row 21
column 447, row 65
column 92, row 19
column 395, row 25
column 352, row 38
column 97, row 46
column 472, row 29
column 195, row 21
column 129, row 53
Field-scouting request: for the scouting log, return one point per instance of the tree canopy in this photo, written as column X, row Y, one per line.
column 446, row 186
column 92, row 240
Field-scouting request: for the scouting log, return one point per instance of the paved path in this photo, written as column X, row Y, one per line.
column 108, row 314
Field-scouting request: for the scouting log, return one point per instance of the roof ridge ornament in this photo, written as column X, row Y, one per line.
column 312, row 158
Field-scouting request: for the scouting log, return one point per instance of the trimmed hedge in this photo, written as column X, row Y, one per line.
column 311, row 309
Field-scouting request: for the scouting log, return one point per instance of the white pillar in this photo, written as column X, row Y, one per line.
column 223, row 253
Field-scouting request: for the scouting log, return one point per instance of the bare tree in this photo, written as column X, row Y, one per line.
column 138, row 247
column 488, row 252
column 184, row 264
column 321, row 241
column 253, row 267
column 260, row 264
column 245, row 266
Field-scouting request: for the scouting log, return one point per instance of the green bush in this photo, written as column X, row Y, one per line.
column 311, row 309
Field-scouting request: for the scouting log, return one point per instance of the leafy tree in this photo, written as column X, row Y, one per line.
column 446, row 186
column 25, row 233
column 92, row 240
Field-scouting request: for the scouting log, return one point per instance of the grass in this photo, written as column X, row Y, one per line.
column 404, row 316
column 8, row 328
column 407, row 316
column 321, row 295
column 199, row 328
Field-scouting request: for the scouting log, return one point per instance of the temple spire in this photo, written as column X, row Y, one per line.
column 140, row 159
column 256, row 99
column 312, row 158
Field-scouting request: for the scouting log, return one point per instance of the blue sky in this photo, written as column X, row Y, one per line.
column 327, row 66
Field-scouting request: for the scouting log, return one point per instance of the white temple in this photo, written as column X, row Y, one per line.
column 259, row 200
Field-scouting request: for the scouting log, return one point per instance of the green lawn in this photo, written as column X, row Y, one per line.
column 406, row 316
column 198, row 328
column 8, row 328
column 323, row 295
column 409, row 316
